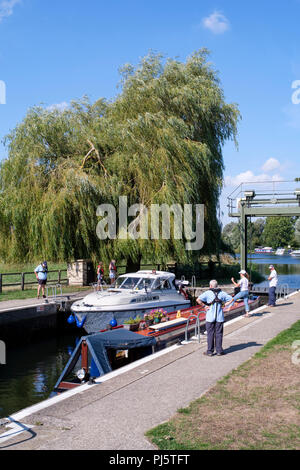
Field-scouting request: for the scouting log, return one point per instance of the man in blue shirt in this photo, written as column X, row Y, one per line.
column 214, row 298
column 41, row 274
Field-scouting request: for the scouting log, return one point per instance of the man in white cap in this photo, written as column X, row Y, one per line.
column 273, row 281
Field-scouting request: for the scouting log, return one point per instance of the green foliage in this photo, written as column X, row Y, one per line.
column 133, row 321
column 279, row 231
column 272, row 231
column 231, row 236
column 255, row 232
column 296, row 241
column 160, row 141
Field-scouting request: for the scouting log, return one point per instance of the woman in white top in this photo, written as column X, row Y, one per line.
column 243, row 284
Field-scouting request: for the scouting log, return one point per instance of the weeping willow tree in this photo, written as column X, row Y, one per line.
column 160, row 141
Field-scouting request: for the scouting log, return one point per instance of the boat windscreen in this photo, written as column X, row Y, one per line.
column 137, row 283
column 127, row 282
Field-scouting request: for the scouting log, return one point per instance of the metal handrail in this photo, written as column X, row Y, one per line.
column 197, row 326
column 54, row 290
column 99, row 287
column 282, row 291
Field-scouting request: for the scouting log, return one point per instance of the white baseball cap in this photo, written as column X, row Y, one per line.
column 271, row 266
column 242, row 272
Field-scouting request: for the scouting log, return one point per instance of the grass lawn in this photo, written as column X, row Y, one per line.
column 256, row 406
column 15, row 292
column 32, row 293
column 14, row 269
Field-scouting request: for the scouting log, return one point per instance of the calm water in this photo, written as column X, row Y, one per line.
column 287, row 267
column 32, row 370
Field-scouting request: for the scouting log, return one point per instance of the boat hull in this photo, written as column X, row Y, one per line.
column 93, row 321
column 165, row 336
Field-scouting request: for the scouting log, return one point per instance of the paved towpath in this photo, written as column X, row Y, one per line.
column 115, row 413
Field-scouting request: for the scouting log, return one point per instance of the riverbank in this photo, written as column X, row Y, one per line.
column 256, row 406
column 144, row 394
column 199, row 275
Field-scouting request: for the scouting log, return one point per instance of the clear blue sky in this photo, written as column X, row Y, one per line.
column 54, row 51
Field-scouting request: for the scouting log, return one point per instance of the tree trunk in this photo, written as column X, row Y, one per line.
column 133, row 266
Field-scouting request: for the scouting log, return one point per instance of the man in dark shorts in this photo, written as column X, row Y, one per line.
column 41, row 275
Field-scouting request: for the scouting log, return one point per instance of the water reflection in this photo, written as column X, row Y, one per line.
column 287, row 267
column 31, row 372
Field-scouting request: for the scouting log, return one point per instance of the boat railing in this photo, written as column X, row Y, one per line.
column 99, row 287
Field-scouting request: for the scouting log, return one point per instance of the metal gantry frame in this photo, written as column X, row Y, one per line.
column 263, row 199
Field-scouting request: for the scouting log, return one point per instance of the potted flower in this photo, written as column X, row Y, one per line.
column 148, row 318
column 158, row 315
column 132, row 324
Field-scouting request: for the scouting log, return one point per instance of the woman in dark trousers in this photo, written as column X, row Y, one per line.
column 273, row 281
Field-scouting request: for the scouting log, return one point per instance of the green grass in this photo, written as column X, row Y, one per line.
column 14, row 269
column 32, row 293
column 15, row 292
column 256, row 406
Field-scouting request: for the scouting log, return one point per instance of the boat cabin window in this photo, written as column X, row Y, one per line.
column 127, row 282
column 162, row 284
column 137, row 283
column 166, row 284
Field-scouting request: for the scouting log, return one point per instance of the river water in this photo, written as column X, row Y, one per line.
column 31, row 371
column 287, row 267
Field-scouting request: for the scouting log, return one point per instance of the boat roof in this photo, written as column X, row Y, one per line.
column 150, row 273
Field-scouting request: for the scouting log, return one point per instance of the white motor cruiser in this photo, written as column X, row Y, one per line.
column 295, row 253
column 131, row 295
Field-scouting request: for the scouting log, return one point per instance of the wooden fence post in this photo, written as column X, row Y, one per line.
column 0, row 283
column 22, row 281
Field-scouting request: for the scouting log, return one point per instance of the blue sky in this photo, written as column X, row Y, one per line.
column 54, row 51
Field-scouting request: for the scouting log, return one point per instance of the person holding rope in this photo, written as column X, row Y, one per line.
column 100, row 275
column 243, row 285
column 214, row 299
